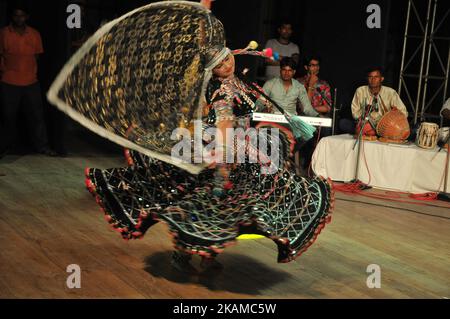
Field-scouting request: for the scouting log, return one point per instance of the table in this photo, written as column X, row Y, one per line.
column 407, row 168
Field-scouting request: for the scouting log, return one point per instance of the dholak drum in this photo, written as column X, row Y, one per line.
column 393, row 127
column 427, row 135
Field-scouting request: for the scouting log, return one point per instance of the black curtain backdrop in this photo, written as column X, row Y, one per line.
column 336, row 30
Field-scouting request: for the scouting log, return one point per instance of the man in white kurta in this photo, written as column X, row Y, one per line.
column 445, row 111
column 381, row 98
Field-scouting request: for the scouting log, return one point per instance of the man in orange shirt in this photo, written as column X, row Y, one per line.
column 19, row 49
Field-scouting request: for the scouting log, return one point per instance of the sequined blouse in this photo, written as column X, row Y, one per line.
column 231, row 99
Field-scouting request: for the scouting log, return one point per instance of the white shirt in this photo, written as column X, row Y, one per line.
column 387, row 98
column 446, row 106
column 285, row 50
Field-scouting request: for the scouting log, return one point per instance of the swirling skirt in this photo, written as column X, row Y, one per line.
column 289, row 209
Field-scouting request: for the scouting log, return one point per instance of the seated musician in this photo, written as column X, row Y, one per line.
column 445, row 111
column 319, row 91
column 287, row 92
column 377, row 99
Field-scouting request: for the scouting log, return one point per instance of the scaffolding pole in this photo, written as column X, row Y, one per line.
column 417, row 77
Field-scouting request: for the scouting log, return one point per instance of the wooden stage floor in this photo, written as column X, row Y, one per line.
column 48, row 220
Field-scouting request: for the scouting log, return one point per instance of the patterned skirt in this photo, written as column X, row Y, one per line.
column 289, row 209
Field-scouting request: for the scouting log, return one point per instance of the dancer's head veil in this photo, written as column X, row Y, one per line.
column 138, row 75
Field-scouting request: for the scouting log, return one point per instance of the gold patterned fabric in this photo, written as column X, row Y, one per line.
column 141, row 75
column 138, row 79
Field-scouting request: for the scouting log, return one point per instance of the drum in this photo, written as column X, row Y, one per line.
column 427, row 135
column 393, row 127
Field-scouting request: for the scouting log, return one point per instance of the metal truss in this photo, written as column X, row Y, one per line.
column 427, row 77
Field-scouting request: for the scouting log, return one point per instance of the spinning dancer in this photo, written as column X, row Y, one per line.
column 138, row 79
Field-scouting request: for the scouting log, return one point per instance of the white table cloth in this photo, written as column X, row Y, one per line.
column 407, row 168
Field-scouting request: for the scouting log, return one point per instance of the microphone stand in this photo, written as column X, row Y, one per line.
column 325, row 97
column 334, row 111
column 333, row 107
column 358, row 142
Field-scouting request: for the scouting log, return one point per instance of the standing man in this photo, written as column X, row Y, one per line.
column 284, row 47
column 20, row 46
